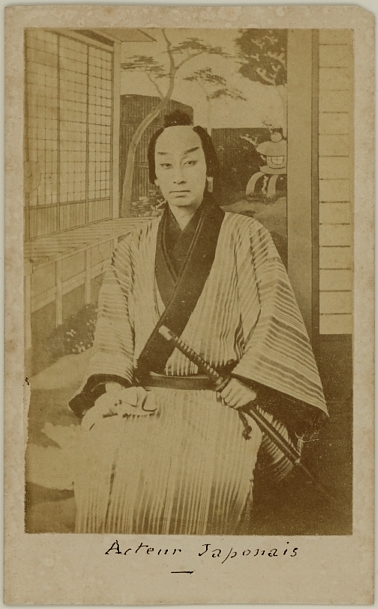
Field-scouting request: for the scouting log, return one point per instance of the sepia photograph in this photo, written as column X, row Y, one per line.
column 198, row 181
column 189, row 305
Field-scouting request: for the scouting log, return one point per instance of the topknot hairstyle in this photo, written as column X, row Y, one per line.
column 179, row 119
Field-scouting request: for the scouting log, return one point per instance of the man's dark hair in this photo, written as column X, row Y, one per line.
column 178, row 119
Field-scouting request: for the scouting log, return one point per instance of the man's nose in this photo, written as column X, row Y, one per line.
column 178, row 176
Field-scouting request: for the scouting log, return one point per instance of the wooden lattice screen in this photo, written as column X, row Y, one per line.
column 68, row 136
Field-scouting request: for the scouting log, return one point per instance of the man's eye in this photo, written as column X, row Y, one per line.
column 165, row 165
column 191, row 162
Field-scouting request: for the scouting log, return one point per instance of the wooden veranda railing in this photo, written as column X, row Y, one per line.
column 57, row 264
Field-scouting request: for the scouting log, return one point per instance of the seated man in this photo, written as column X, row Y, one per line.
column 173, row 459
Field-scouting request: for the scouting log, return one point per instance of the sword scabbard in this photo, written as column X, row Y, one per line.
column 250, row 409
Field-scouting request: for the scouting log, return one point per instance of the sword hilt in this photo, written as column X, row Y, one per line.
column 219, row 381
column 266, row 427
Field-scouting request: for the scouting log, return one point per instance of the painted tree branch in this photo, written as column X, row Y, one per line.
column 154, row 83
column 178, row 55
column 213, row 87
column 263, row 56
column 129, row 173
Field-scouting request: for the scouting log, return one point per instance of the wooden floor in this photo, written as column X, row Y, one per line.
column 51, row 247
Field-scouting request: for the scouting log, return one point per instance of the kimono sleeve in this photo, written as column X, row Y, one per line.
column 113, row 349
column 277, row 351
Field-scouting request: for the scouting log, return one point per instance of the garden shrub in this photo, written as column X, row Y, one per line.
column 74, row 335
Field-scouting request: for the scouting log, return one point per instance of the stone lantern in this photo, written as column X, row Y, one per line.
column 270, row 181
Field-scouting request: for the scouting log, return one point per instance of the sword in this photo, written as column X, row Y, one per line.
column 250, row 409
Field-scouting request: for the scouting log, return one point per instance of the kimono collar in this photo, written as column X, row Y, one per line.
column 180, row 291
column 177, row 241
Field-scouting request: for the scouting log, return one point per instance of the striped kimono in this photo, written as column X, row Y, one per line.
column 187, row 468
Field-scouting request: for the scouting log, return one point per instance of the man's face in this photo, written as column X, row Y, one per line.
column 180, row 167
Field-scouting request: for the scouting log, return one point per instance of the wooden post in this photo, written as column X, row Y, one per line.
column 114, row 203
column 27, row 311
column 315, row 192
column 300, row 168
column 87, row 290
column 59, row 293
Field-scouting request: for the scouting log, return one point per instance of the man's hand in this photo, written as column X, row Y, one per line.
column 119, row 401
column 236, row 394
column 105, row 406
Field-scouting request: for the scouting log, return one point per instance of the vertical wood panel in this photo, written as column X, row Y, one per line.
column 115, row 211
column 315, row 188
column 299, row 184
column 99, row 210
column 334, row 213
column 334, row 167
column 334, row 190
column 43, row 221
column 336, row 324
column 27, row 312
column 334, row 79
column 336, row 281
column 333, row 101
column 335, row 37
column 72, row 216
column 333, row 145
column 336, row 302
column 87, row 290
column 336, row 183
column 334, row 56
column 59, row 294
column 336, row 258
column 335, row 234
column 334, row 122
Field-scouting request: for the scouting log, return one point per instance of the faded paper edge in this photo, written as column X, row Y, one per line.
column 16, row 542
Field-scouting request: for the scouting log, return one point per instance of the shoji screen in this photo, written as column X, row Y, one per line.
column 99, row 132
column 41, row 137
column 68, row 137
